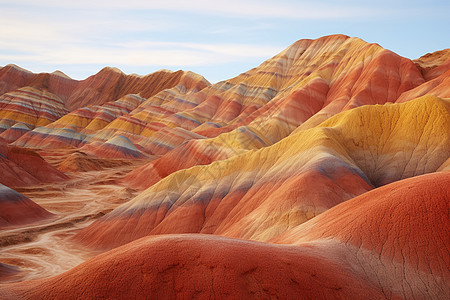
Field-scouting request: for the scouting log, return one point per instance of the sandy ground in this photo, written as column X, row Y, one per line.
column 45, row 248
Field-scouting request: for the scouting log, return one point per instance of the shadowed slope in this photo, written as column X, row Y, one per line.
column 23, row 167
column 16, row 209
column 7, row 271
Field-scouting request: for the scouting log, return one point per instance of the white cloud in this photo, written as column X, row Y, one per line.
column 141, row 54
column 109, row 41
column 239, row 8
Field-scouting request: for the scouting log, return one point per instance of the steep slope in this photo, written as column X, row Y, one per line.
column 107, row 85
column 29, row 107
column 308, row 82
column 300, row 178
column 259, row 194
column 16, row 209
column 111, row 84
column 398, row 231
column 354, row 250
column 23, row 167
column 13, row 77
column 434, row 64
column 100, row 124
column 73, row 128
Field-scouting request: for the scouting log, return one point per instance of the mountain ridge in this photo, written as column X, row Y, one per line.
column 319, row 173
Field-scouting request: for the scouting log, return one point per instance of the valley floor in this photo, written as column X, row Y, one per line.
column 45, row 249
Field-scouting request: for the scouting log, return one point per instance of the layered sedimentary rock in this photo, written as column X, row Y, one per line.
column 13, row 77
column 24, row 167
column 97, row 125
column 398, row 231
column 107, row 85
column 309, row 81
column 321, row 173
column 16, row 209
column 354, row 250
column 30, row 108
column 260, row 194
column 434, row 64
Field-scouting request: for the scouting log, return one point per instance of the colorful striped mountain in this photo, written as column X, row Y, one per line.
column 322, row 173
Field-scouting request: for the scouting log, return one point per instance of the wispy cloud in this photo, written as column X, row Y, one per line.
column 142, row 54
column 236, row 8
column 203, row 33
column 109, row 39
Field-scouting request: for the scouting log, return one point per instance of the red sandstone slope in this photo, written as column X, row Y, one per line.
column 16, row 209
column 200, row 267
column 434, row 64
column 388, row 243
column 305, row 84
column 111, row 84
column 398, row 236
column 23, row 167
column 13, row 77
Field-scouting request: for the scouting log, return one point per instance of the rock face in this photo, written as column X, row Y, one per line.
column 30, row 108
column 322, row 173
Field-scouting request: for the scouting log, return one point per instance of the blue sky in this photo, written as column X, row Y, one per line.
column 217, row 39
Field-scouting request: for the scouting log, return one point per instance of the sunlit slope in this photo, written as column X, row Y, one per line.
column 13, row 77
column 433, row 65
column 109, row 84
column 198, row 266
column 260, row 194
column 98, row 124
column 310, row 81
column 72, row 130
column 435, row 68
column 30, row 108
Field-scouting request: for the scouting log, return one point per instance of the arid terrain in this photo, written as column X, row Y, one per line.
column 322, row 173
